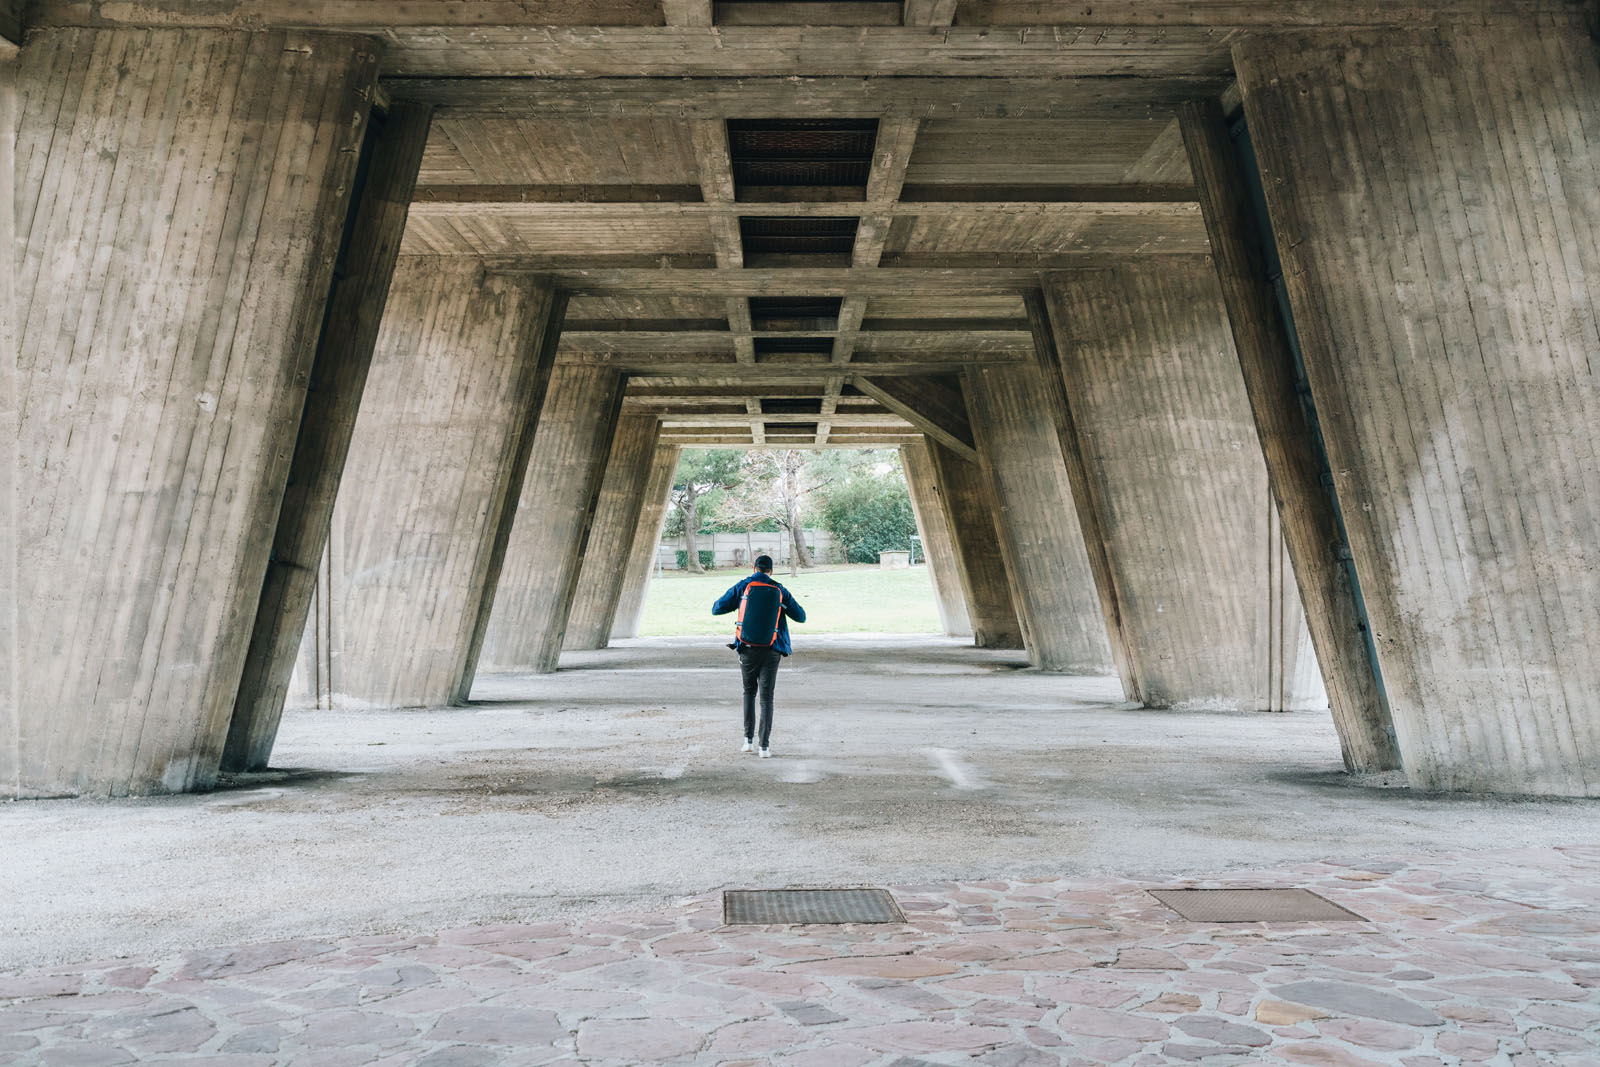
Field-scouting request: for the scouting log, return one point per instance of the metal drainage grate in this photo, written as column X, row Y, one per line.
column 1253, row 906
column 773, row 906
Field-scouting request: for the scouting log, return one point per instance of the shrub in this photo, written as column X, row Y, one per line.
column 870, row 515
column 708, row 559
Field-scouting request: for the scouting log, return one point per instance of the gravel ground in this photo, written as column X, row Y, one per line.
column 617, row 783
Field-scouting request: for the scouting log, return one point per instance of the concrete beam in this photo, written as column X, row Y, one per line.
column 616, row 521
column 1051, row 583
column 1208, row 605
column 458, row 378
column 338, row 377
column 1448, row 320
column 165, row 327
column 533, row 600
column 641, row 561
column 934, row 405
column 1291, row 445
column 969, row 510
column 938, row 544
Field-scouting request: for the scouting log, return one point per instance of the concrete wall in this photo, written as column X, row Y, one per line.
column 616, row 519
column 937, row 542
column 456, row 385
column 1051, row 583
column 179, row 199
column 544, row 557
column 645, row 547
column 1436, row 200
column 1210, row 610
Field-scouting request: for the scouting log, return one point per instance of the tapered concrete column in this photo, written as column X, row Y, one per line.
column 180, row 199
column 1436, row 201
column 1290, row 443
column 10, row 663
column 544, row 558
column 937, row 543
column 969, row 511
column 616, row 520
column 458, row 379
column 1051, row 584
column 1190, row 527
column 641, row 565
column 344, row 355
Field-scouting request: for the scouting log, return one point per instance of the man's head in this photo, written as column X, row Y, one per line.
column 764, row 563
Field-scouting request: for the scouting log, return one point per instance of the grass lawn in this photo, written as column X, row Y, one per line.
column 854, row 599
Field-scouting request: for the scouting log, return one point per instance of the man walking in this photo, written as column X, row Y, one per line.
column 765, row 608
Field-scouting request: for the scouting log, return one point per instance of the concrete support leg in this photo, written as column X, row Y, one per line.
column 1290, row 442
column 180, row 202
column 458, row 378
column 969, row 510
column 1436, row 201
column 1051, row 583
column 937, row 542
column 344, row 354
column 10, row 663
column 641, row 562
column 616, row 520
column 1190, row 526
column 551, row 533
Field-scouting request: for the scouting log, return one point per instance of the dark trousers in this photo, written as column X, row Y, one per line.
column 759, row 666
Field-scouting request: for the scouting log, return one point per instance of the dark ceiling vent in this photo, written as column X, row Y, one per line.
column 795, row 312
column 797, row 236
column 804, row 429
column 792, row 405
column 771, row 346
column 807, row 152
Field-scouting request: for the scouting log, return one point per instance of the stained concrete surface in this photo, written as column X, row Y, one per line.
column 617, row 783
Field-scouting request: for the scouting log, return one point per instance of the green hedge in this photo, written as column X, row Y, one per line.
column 708, row 559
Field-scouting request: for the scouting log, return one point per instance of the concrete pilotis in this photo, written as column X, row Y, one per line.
column 457, row 380
column 1190, row 527
column 616, row 521
column 937, row 543
column 533, row 600
column 1312, row 531
column 641, row 562
column 10, row 663
column 180, row 196
column 338, row 376
column 969, row 509
column 1436, row 202
column 1051, row 583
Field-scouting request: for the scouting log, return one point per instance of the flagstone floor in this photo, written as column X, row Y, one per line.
column 1462, row 958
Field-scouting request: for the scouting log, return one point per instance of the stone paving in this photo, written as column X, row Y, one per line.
column 1468, row 958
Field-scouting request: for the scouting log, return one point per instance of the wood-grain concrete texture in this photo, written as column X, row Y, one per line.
column 1313, row 530
column 179, row 198
column 10, row 664
column 1051, row 583
column 1436, row 199
column 385, row 182
column 969, row 506
column 1211, row 613
column 616, row 522
column 457, row 381
column 549, row 536
column 937, row 543
column 645, row 547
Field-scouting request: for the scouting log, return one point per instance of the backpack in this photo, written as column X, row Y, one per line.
column 760, row 611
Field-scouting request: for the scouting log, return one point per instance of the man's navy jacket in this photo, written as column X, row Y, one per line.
column 729, row 602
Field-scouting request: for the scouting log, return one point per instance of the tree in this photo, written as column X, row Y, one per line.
column 702, row 472
column 868, row 510
column 777, row 487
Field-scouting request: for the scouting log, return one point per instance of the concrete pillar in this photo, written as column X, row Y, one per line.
column 1190, row 526
column 616, row 520
column 180, row 196
column 937, row 543
column 344, row 354
column 641, row 564
column 1051, row 584
column 969, row 508
column 457, row 383
column 10, row 664
column 1291, row 444
column 1436, row 202
column 544, row 558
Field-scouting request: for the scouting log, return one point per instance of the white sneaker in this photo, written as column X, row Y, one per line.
column 747, row 747
column 766, row 753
